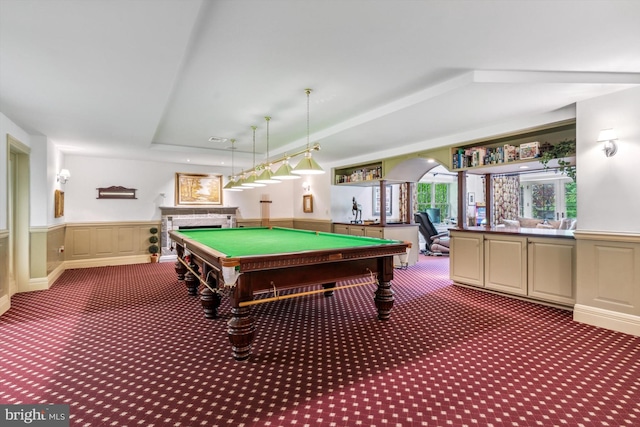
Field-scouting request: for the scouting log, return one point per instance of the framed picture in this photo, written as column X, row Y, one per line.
column 58, row 208
column 376, row 200
column 471, row 199
column 198, row 189
column 307, row 203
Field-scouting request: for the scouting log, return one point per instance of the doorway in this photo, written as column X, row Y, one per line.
column 18, row 216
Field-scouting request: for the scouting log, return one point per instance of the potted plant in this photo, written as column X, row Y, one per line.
column 154, row 249
column 560, row 151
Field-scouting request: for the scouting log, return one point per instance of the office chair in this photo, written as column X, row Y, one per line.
column 435, row 243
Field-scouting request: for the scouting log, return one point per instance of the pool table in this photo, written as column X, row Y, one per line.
column 249, row 261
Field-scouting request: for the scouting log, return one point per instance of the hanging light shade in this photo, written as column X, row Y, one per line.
column 308, row 166
column 266, row 176
column 250, row 181
column 231, row 185
column 284, row 172
column 241, row 179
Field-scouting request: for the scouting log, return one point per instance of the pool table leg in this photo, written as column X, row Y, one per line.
column 191, row 280
column 329, row 288
column 242, row 328
column 384, row 295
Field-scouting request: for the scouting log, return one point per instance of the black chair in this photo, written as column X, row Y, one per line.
column 435, row 243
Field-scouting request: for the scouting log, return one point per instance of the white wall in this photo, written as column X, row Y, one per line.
column 608, row 188
column 152, row 179
column 41, row 190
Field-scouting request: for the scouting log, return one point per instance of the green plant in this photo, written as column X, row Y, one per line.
column 559, row 151
column 153, row 249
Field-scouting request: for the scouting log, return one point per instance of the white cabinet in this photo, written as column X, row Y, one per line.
column 505, row 264
column 404, row 232
column 467, row 266
column 540, row 268
column 377, row 232
column 552, row 275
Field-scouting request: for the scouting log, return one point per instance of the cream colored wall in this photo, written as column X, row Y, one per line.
column 108, row 243
column 5, row 298
column 609, row 281
column 55, row 242
column 608, row 238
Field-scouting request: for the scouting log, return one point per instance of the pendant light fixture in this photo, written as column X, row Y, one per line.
column 284, row 171
column 266, row 177
column 231, row 185
column 308, row 166
column 253, row 175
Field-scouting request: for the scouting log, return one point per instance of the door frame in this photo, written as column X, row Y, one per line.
column 18, row 215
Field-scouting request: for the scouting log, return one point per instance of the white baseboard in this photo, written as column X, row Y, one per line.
column 104, row 262
column 168, row 258
column 37, row 284
column 620, row 322
column 5, row 304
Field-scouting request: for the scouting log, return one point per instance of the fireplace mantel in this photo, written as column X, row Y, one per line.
column 174, row 217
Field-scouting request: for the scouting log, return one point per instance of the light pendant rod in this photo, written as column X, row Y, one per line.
column 308, row 166
column 232, row 184
column 266, row 176
column 251, row 179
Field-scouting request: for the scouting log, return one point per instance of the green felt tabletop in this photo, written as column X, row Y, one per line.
column 237, row 242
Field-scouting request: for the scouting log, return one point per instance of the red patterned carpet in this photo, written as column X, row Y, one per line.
column 126, row 346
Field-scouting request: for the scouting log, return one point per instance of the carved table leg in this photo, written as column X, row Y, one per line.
column 210, row 300
column 191, row 280
column 384, row 300
column 242, row 328
column 329, row 288
column 180, row 270
column 242, row 331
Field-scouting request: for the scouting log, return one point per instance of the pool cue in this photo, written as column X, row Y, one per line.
column 300, row 294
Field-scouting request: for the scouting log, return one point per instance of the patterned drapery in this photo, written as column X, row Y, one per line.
column 506, row 198
column 405, row 216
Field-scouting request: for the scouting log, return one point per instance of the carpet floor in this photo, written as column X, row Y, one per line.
column 126, row 346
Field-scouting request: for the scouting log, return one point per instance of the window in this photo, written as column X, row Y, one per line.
column 433, row 195
column 548, row 198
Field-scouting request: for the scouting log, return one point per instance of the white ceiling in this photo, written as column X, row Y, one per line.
column 154, row 79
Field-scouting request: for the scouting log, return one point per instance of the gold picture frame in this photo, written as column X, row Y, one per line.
column 194, row 189
column 58, row 208
column 307, row 203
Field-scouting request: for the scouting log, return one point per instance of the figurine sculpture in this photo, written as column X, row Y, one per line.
column 357, row 212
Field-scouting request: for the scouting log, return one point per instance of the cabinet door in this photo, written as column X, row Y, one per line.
column 466, row 258
column 357, row 230
column 340, row 229
column 377, row 232
column 505, row 266
column 552, row 270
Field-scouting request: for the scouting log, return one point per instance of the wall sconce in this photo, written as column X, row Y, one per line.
column 608, row 137
column 306, row 186
column 64, row 176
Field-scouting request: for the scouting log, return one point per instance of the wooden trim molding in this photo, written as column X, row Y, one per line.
column 607, row 236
